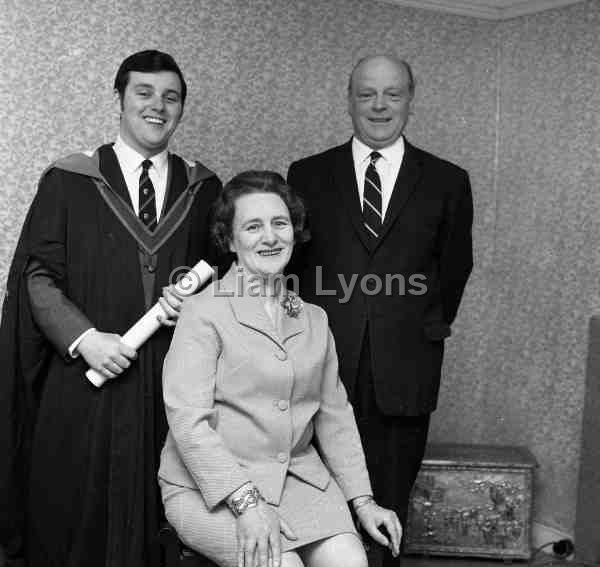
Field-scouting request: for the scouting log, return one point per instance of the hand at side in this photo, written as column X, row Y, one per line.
column 371, row 517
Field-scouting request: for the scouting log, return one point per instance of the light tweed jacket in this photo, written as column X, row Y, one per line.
column 245, row 401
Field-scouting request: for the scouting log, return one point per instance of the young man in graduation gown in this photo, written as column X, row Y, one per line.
column 101, row 243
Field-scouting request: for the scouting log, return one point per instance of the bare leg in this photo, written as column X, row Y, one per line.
column 342, row 550
column 291, row 559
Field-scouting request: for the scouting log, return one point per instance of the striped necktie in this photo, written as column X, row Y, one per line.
column 147, row 197
column 372, row 216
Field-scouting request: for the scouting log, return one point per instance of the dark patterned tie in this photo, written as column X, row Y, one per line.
column 147, row 200
column 372, row 216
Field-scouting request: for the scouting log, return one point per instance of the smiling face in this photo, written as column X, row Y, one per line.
column 151, row 108
column 379, row 101
column 262, row 234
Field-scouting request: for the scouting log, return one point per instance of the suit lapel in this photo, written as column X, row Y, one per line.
column 111, row 170
column 344, row 179
column 293, row 325
column 249, row 311
column 406, row 183
column 111, row 186
column 177, row 181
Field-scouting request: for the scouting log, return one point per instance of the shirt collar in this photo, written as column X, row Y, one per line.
column 391, row 154
column 131, row 160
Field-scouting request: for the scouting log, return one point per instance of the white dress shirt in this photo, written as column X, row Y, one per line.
column 131, row 166
column 387, row 167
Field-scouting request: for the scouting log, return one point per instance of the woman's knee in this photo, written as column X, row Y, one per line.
column 356, row 557
column 343, row 550
column 357, row 560
column 291, row 559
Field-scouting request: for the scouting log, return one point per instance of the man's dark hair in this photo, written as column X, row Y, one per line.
column 148, row 61
column 246, row 183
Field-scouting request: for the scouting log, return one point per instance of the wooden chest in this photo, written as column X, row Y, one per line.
column 472, row 500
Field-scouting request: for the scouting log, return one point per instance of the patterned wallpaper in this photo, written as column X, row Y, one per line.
column 546, row 256
column 513, row 102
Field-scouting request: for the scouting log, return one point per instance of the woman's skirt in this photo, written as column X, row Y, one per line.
column 313, row 514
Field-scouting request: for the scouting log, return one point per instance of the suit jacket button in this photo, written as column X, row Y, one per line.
column 282, row 405
column 282, row 457
column 281, row 356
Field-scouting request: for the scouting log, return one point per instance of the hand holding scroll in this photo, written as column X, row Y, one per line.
column 135, row 337
column 106, row 353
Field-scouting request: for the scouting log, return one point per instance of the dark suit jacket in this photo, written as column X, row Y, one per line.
column 425, row 241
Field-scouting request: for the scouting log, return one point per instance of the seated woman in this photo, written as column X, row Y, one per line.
column 251, row 388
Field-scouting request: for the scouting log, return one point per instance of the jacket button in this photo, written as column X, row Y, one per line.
column 282, row 457
column 281, row 356
column 282, row 405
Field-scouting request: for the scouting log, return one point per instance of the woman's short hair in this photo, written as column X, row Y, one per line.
column 246, row 183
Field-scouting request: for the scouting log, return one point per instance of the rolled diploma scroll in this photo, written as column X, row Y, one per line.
column 149, row 323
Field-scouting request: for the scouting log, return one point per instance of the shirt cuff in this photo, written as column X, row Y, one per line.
column 76, row 342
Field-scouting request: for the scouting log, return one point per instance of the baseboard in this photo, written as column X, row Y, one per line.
column 542, row 534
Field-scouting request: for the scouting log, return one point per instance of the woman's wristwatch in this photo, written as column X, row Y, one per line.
column 247, row 499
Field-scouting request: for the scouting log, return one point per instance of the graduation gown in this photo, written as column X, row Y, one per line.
column 79, row 478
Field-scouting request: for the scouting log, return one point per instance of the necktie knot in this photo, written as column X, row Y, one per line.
column 374, row 156
column 146, row 164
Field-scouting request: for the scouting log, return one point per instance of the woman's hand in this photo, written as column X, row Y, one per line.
column 259, row 539
column 371, row 516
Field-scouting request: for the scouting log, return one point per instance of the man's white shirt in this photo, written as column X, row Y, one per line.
column 131, row 167
column 387, row 167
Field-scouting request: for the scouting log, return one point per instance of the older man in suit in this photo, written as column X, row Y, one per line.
column 389, row 257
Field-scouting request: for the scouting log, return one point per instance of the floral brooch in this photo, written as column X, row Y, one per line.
column 292, row 304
